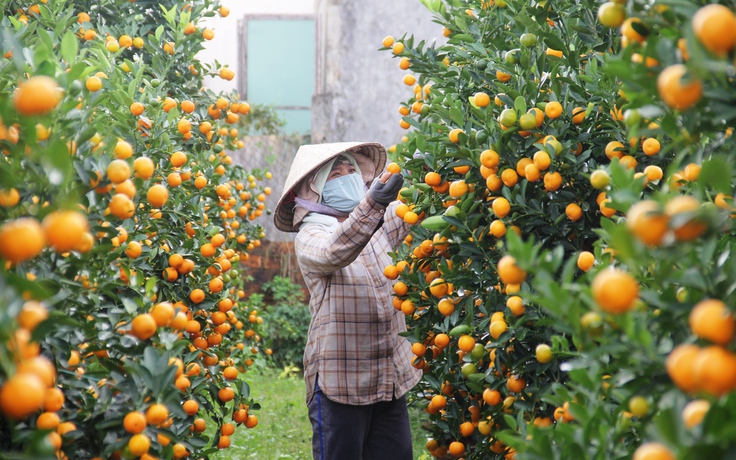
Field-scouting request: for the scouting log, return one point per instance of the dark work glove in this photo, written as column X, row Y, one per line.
column 386, row 193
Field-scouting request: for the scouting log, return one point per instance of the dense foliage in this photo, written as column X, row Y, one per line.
column 286, row 316
column 568, row 280
column 122, row 223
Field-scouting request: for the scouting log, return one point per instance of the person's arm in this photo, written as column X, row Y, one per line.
column 385, row 191
column 322, row 251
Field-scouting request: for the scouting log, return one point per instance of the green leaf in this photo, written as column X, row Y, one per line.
column 413, row 122
column 78, row 70
column 461, row 38
column 69, row 48
column 48, row 44
column 244, row 389
column 456, row 115
column 520, row 104
column 651, row 111
column 151, row 285
column 197, row 442
column 716, row 174
column 58, row 161
column 151, row 360
column 170, row 15
column 129, row 304
column 553, row 41
column 666, row 426
column 421, row 143
column 510, row 421
column 23, row 284
column 581, row 376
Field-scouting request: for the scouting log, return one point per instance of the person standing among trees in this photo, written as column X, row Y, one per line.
column 357, row 367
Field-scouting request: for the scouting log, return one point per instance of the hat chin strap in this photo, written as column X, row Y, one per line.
column 319, row 208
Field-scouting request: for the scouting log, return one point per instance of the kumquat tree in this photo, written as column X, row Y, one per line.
column 568, row 282
column 122, row 224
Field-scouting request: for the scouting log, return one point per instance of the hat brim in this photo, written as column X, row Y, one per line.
column 310, row 158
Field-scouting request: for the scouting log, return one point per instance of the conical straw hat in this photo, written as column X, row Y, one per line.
column 309, row 159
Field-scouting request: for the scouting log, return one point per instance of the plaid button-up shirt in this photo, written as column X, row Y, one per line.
column 353, row 341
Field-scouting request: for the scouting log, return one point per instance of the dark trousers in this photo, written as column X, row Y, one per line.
column 372, row 432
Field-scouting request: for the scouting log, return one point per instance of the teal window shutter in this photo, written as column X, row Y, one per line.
column 280, row 67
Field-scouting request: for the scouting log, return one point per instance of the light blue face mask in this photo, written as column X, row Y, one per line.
column 344, row 193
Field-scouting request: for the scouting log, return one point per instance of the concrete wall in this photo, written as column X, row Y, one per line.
column 359, row 88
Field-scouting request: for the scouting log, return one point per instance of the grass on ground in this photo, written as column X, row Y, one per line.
column 283, row 430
